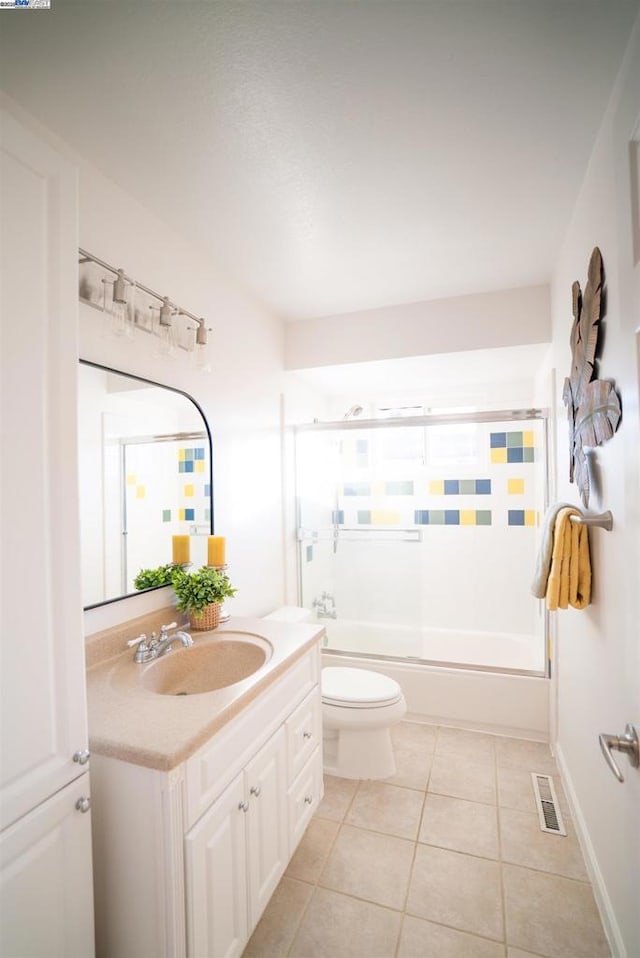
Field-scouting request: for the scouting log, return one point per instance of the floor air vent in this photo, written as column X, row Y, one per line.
column 547, row 805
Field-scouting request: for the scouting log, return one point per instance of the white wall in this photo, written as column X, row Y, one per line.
column 240, row 397
column 598, row 650
column 508, row 317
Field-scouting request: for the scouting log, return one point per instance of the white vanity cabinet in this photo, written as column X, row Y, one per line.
column 203, row 847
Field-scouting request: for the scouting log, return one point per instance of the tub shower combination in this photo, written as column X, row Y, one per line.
column 417, row 545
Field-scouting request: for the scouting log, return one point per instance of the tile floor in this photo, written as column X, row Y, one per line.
column 445, row 860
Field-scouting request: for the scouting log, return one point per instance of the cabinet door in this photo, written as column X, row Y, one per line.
column 216, row 870
column 46, row 902
column 266, row 791
column 43, row 705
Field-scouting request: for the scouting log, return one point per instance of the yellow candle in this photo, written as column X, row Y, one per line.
column 180, row 549
column 216, row 550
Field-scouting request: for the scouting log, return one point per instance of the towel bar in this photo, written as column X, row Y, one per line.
column 604, row 520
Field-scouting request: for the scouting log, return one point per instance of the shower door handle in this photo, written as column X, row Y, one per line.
column 628, row 743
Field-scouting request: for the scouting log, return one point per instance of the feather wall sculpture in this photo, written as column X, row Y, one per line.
column 593, row 406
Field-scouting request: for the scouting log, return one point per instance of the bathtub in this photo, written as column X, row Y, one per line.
column 469, row 694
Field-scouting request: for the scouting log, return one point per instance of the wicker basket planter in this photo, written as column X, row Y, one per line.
column 208, row 619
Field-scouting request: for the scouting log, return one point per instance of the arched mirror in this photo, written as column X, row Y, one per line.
column 145, row 475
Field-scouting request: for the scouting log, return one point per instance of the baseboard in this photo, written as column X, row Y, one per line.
column 603, row 902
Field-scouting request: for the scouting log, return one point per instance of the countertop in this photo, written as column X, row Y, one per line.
column 131, row 723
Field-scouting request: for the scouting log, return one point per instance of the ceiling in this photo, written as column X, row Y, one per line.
column 335, row 156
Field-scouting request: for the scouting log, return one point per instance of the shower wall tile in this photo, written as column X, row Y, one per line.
column 515, row 487
column 452, row 517
column 166, row 515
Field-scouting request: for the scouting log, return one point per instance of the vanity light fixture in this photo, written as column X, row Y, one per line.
column 145, row 311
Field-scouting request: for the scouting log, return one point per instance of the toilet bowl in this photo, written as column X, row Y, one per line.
column 358, row 709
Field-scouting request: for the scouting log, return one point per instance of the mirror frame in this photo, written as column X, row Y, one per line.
column 181, row 392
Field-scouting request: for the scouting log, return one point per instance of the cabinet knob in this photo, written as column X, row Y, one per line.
column 306, row 734
column 308, row 799
column 255, row 790
column 83, row 804
column 82, row 756
column 243, row 806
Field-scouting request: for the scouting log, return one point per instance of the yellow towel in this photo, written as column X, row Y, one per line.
column 569, row 581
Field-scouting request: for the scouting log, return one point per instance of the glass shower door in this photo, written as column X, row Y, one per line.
column 418, row 538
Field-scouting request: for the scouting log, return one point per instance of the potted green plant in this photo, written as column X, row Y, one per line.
column 201, row 594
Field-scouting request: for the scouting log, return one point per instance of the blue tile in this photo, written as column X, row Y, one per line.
column 483, row 487
column 498, row 440
column 207, row 488
column 337, row 517
column 189, row 515
column 451, row 487
column 309, row 553
column 515, row 454
column 188, row 465
column 357, row 489
column 516, row 517
column 362, row 445
column 198, row 453
column 421, row 517
column 188, row 455
column 451, row 517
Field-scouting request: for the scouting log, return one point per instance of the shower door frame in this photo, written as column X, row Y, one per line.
column 435, row 419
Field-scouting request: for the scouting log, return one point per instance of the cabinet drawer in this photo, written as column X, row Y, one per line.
column 304, row 796
column 209, row 770
column 304, row 730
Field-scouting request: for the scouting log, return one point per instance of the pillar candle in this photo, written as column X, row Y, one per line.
column 216, row 551
column 180, row 549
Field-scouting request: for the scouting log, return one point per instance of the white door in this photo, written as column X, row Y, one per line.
column 216, row 873
column 43, row 710
column 46, row 903
column 268, row 840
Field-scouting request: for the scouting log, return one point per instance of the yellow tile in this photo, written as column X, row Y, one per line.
column 131, row 479
column 182, row 455
column 188, row 490
column 180, row 513
column 515, row 487
column 530, row 517
column 384, row 517
column 140, row 492
column 378, row 488
column 528, row 438
column 498, row 455
column 200, row 464
column 467, row 517
column 436, row 487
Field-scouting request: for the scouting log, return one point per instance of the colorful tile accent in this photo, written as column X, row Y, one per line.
column 166, row 515
column 467, row 487
column 451, row 487
column 207, row 489
column 400, row 488
column 385, row 517
column 356, row 489
column 140, row 492
column 189, row 490
column 483, row 487
column 199, row 453
column 515, row 487
column 515, row 517
column 337, row 517
column 207, row 515
column 364, row 517
column 379, row 489
column 460, row 487
column 515, row 446
column 452, row 517
column 200, row 465
column 436, row 487
column 131, row 479
column 190, row 515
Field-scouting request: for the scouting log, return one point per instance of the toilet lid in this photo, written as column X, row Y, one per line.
column 358, row 688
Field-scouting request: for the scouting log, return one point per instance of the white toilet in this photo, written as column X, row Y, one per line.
column 358, row 709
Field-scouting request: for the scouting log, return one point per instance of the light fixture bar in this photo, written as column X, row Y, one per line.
column 120, row 274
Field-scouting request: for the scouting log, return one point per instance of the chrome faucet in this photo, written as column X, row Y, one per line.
column 158, row 645
column 321, row 605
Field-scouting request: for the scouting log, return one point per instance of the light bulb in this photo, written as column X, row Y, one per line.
column 119, row 321
column 201, row 349
column 166, row 335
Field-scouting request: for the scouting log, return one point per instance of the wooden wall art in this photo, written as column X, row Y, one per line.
column 593, row 406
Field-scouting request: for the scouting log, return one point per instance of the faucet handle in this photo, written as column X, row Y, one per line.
column 165, row 628
column 141, row 639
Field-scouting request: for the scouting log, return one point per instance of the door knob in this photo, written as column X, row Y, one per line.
column 627, row 743
column 83, row 804
column 82, row 756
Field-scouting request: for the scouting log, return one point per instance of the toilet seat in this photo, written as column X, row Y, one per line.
column 358, row 689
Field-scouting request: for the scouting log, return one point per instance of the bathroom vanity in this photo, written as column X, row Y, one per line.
column 199, row 800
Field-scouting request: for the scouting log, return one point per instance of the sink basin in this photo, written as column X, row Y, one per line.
column 208, row 665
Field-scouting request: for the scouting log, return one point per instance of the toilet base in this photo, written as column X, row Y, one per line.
column 361, row 753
